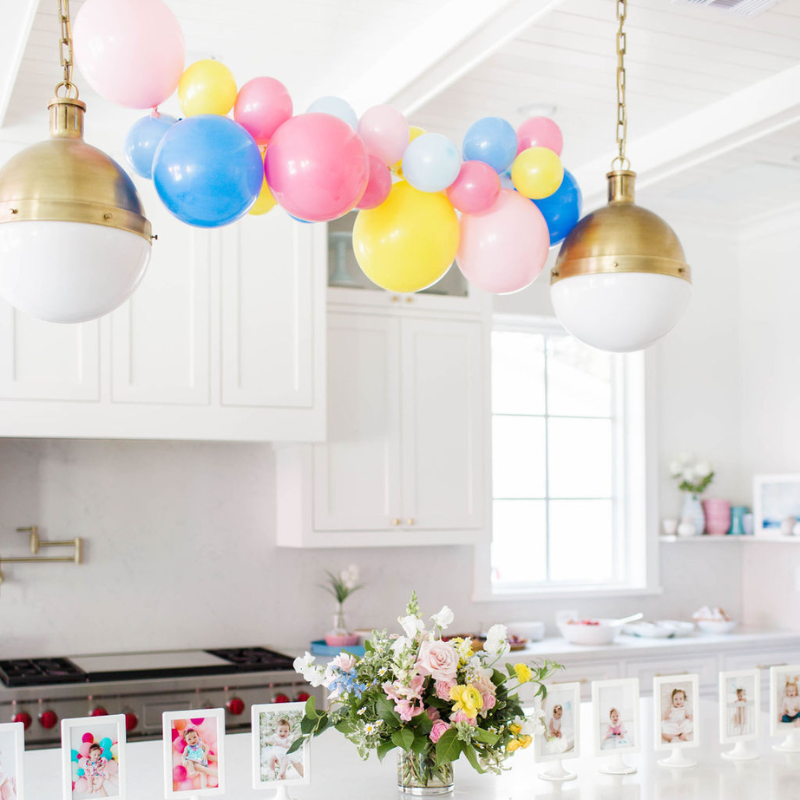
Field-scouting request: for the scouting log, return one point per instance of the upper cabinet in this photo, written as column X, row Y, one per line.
column 224, row 339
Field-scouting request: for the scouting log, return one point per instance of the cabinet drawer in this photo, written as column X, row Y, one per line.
column 706, row 667
column 761, row 659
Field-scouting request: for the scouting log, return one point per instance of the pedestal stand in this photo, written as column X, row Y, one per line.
column 556, row 772
column 741, row 752
column 791, row 744
column 617, row 766
column 677, row 760
column 281, row 794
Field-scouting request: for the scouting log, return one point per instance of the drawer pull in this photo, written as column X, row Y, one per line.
column 395, row 521
column 768, row 666
column 664, row 674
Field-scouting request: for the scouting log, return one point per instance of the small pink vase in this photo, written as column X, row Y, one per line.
column 718, row 516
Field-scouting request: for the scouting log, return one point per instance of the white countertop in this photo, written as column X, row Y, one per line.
column 338, row 773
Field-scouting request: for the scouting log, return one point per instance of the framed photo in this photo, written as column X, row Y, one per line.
column 784, row 700
column 275, row 728
column 775, row 498
column 194, row 752
column 676, row 699
column 739, row 705
column 615, row 716
column 561, row 718
column 12, row 748
column 93, row 757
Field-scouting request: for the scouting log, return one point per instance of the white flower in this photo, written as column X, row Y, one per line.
column 349, row 576
column 443, row 618
column 463, row 648
column 675, row 468
column 688, row 474
column 411, row 625
column 533, row 724
column 703, row 468
column 361, row 711
column 496, row 643
column 310, row 671
column 400, row 644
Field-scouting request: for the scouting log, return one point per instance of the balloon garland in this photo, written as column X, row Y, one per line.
column 496, row 209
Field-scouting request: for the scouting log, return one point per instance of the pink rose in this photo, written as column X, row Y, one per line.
column 414, row 691
column 460, row 716
column 407, row 710
column 439, row 727
column 442, row 689
column 485, row 686
column 438, row 659
column 433, row 713
column 344, row 661
column 489, row 701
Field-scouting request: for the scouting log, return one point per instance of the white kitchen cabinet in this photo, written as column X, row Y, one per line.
column 405, row 460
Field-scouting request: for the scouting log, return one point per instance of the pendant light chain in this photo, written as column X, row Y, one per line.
column 622, row 111
column 65, row 51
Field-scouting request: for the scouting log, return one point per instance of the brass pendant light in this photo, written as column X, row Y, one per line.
column 74, row 240
column 621, row 281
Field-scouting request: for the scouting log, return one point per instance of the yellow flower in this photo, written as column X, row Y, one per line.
column 525, row 741
column 513, row 745
column 467, row 699
column 524, row 673
column 515, row 729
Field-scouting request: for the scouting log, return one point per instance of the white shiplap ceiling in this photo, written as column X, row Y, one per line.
column 681, row 60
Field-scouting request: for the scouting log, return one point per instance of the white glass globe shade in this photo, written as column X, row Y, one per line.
column 69, row 271
column 620, row 313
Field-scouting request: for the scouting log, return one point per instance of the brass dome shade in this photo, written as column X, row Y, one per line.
column 64, row 179
column 621, row 237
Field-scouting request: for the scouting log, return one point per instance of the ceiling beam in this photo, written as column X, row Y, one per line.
column 450, row 42
column 14, row 33
column 738, row 119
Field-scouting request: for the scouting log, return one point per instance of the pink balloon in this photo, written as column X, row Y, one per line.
column 81, row 785
column 384, row 131
column 179, row 773
column 179, row 745
column 131, row 52
column 475, row 189
column 112, row 767
column 316, row 167
column 87, row 737
column 504, row 249
column 378, row 186
column 262, row 106
column 187, row 786
column 197, row 721
column 175, row 734
column 83, row 750
column 539, row 132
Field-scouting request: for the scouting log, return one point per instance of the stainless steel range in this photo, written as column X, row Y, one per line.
column 42, row 691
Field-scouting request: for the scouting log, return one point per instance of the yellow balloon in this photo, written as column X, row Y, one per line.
column 264, row 202
column 413, row 132
column 207, row 87
column 409, row 241
column 537, row 173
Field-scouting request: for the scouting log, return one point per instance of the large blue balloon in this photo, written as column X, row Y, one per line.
column 208, row 170
column 492, row 140
column 143, row 140
column 561, row 210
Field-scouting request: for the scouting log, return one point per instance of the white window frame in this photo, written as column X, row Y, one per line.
column 637, row 481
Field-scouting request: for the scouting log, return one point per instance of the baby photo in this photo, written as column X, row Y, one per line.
column 94, row 748
column 11, row 751
column 193, row 750
column 785, row 689
column 560, row 709
column 275, row 729
column 616, row 715
column 739, row 696
column 677, row 712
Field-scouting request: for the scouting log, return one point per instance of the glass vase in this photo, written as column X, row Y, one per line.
column 339, row 622
column 419, row 775
column 693, row 510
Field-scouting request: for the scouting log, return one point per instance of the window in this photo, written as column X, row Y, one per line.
column 567, row 463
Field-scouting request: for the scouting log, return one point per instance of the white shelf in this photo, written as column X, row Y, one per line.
column 726, row 538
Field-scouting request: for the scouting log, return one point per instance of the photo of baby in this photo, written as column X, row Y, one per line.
column 10, row 757
column 677, row 712
column 559, row 709
column 616, row 715
column 194, row 748
column 740, row 706
column 94, row 754
column 785, row 705
column 275, row 729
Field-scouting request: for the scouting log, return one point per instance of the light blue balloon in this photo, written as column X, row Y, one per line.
column 208, row 171
column 493, row 140
column 336, row 107
column 297, row 219
column 143, row 140
column 431, row 162
column 108, row 755
column 106, row 743
column 75, row 756
column 81, row 773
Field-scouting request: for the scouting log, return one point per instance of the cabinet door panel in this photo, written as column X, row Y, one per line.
column 444, row 426
column 267, row 312
column 160, row 337
column 357, row 471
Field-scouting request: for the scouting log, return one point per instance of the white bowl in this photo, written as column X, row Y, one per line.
column 603, row 633
column 532, row 631
column 716, row 625
column 678, row 627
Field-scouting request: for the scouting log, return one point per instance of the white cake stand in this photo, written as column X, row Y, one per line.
column 741, row 752
column 556, row 772
column 791, row 744
column 617, row 765
column 677, row 760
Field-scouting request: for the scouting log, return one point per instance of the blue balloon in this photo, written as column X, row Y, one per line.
column 106, row 744
column 208, row 170
column 336, row 107
column 492, row 140
column 81, row 773
column 108, row 755
column 297, row 219
column 75, row 755
column 143, row 140
column 561, row 210
column 431, row 162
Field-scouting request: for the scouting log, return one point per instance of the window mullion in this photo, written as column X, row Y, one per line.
column 546, row 461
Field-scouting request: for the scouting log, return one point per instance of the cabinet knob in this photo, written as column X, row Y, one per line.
column 411, row 521
column 395, row 298
column 409, row 299
column 395, row 521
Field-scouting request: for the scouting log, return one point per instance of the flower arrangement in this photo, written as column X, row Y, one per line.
column 694, row 475
column 432, row 699
column 341, row 586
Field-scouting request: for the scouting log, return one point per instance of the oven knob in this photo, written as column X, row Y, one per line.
column 302, row 697
column 48, row 719
column 281, row 698
column 131, row 721
column 98, row 711
column 236, row 706
column 24, row 718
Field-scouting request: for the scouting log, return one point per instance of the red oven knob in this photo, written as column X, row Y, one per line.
column 131, row 721
column 98, row 711
column 236, row 706
column 281, row 698
column 24, row 718
column 302, row 697
column 48, row 719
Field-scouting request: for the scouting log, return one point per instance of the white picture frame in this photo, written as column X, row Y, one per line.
column 620, row 695
column 547, row 747
column 12, row 750
column 664, row 699
column 208, row 725
column 266, row 722
column 739, row 706
column 779, row 679
column 775, row 497
column 106, row 769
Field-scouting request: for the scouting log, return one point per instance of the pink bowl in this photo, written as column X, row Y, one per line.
column 718, row 516
column 342, row 641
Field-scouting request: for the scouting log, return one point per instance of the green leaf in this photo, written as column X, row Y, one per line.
column 487, row 737
column 311, row 707
column 385, row 709
column 448, row 748
column 423, row 724
column 345, row 727
column 498, row 679
column 307, row 725
column 510, row 671
column 384, row 748
column 472, row 757
column 403, row 738
column 420, row 744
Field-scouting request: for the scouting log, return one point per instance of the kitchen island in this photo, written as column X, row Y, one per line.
column 338, row 773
